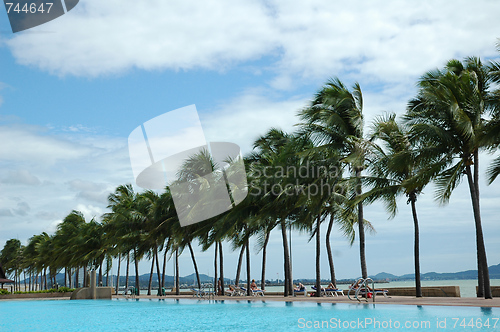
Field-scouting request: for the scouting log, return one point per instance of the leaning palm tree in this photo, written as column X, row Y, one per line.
column 335, row 122
column 448, row 116
column 396, row 171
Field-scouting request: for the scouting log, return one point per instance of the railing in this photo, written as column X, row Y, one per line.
column 362, row 284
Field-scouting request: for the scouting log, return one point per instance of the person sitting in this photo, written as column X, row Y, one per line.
column 355, row 285
column 300, row 287
column 253, row 286
column 231, row 290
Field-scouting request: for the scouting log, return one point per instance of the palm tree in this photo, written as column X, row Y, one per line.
column 448, row 116
column 11, row 257
column 395, row 171
column 126, row 224
column 335, row 122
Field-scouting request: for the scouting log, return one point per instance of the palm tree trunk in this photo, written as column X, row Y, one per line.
column 164, row 268
column 290, row 262
column 238, row 268
column 416, row 249
column 137, row 280
column 286, row 259
column 474, row 191
column 66, row 277
column 100, row 274
column 194, row 264
column 264, row 254
column 216, row 281
column 177, row 279
column 127, row 272
column 221, row 267
column 485, row 273
column 480, row 279
column 329, row 251
column 361, row 229
column 108, row 268
column 160, row 287
column 118, row 274
column 318, row 252
column 247, row 245
column 85, row 281
column 150, row 284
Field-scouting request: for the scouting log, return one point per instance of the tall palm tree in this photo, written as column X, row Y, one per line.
column 126, row 226
column 448, row 114
column 395, row 171
column 335, row 121
column 11, row 257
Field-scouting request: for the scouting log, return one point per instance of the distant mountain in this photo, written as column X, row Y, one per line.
column 469, row 274
column 144, row 280
column 191, row 279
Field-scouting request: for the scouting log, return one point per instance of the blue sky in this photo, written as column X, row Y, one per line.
column 72, row 90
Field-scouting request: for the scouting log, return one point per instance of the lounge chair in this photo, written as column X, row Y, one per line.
column 300, row 292
column 255, row 292
column 239, row 291
column 377, row 291
column 334, row 292
column 329, row 291
column 258, row 292
column 197, row 292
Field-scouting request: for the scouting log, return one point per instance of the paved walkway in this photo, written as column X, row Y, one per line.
column 405, row 300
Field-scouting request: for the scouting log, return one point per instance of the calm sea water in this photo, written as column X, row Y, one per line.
column 467, row 287
column 244, row 315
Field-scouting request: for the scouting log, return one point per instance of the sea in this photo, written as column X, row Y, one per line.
column 467, row 287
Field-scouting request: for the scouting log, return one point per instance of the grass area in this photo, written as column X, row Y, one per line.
column 53, row 290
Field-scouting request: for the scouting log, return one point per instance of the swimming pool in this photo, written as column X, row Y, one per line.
column 244, row 315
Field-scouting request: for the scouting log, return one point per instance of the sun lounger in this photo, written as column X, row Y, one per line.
column 300, row 292
column 377, row 291
column 334, row 292
column 239, row 291
column 197, row 292
column 255, row 292
column 329, row 291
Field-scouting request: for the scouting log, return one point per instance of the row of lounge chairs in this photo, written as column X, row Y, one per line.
column 237, row 291
column 242, row 291
column 336, row 292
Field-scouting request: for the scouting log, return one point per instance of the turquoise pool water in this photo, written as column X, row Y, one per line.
column 244, row 315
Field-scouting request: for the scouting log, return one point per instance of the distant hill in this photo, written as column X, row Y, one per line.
column 144, row 280
column 469, row 274
column 383, row 276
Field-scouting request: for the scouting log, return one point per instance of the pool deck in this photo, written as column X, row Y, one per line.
column 400, row 300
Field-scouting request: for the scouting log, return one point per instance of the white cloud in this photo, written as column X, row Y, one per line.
column 115, row 35
column 30, row 144
column 21, row 176
column 74, row 171
column 244, row 118
column 378, row 40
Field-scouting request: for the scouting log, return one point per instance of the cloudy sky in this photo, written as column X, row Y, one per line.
column 72, row 90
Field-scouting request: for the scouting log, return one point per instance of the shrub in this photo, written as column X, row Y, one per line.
column 52, row 290
column 4, row 292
